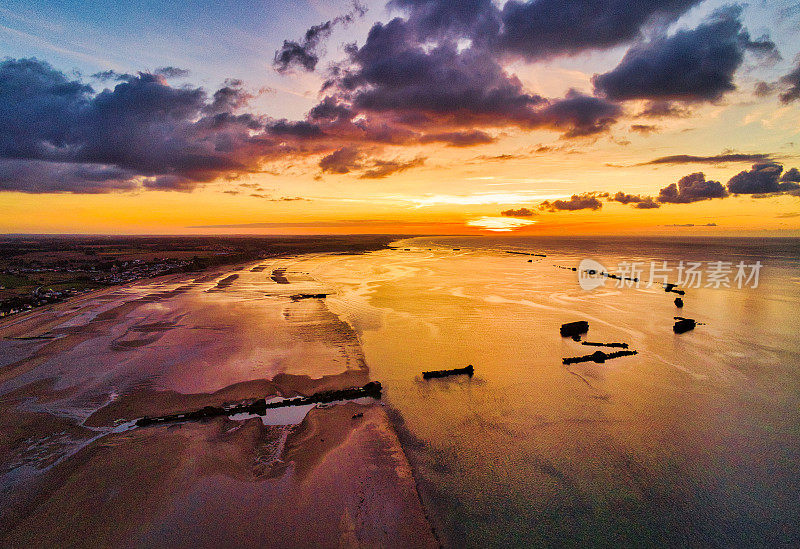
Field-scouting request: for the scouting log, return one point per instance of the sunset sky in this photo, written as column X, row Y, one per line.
column 416, row 116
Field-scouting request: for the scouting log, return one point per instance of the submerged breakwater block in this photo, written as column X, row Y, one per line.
column 598, row 356
column 259, row 407
column 683, row 325
column 444, row 373
column 614, row 344
column 572, row 329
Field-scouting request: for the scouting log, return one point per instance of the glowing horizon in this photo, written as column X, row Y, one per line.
column 255, row 141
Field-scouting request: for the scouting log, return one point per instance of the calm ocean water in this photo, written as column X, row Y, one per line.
column 695, row 441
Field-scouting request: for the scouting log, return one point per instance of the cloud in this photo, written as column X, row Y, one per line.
column 635, row 200
column 663, row 109
column 171, row 72
column 714, row 159
column 396, row 78
column 691, row 188
column 58, row 134
column 644, row 129
column 647, row 204
column 349, row 159
column 305, row 53
column 691, row 65
column 299, row 128
column 792, row 175
column 764, row 178
column 538, row 29
column 586, row 201
column 385, row 168
column 579, row 115
column 46, row 177
column 792, row 81
column 393, row 72
column 692, row 225
column 342, row 161
column 496, row 158
column 478, row 20
column 459, row 139
column 521, row 212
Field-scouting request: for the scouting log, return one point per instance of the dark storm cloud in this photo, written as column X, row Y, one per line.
column 691, row 188
column 478, row 20
column 539, row 29
column 47, row 177
column 714, row 159
column 395, row 73
column 230, row 97
column 586, row 201
column 578, row 115
column 330, row 110
column 394, row 76
column 764, row 178
column 791, row 175
column 459, row 139
column 521, row 212
column 141, row 132
column 691, row 65
column 300, row 129
column 305, row 53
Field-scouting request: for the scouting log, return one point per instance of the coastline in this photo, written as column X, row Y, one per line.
column 339, row 474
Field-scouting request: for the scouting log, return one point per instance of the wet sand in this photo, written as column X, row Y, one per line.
column 72, row 377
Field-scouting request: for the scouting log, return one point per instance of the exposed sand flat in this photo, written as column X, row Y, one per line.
column 72, row 474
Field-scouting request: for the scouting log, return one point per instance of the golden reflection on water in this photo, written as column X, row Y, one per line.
column 694, row 441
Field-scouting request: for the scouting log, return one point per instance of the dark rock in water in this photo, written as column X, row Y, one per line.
column 683, row 325
column 593, row 344
column 678, row 302
column 298, row 297
column 597, row 356
column 444, row 373
column 572, row 329
column 279, row 276
column 670, row 287
column 259, row 407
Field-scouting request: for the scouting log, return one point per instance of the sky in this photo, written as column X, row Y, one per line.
column 412, row 117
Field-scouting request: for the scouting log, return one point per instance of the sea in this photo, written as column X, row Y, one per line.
column 692, row 442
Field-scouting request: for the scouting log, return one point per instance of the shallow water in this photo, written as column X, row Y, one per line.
column 695, row 441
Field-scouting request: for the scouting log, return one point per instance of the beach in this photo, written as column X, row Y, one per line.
column 74, row 375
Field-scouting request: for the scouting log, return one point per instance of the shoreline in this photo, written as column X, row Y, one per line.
column 367, row 438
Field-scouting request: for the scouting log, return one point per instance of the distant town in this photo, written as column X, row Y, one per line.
column 42, row 270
